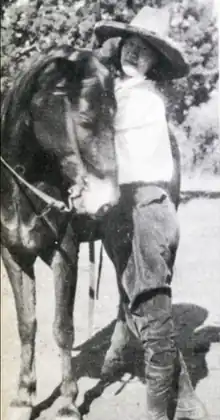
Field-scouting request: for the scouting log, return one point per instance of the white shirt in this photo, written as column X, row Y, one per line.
column 142, row 141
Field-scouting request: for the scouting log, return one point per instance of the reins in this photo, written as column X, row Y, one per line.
column 50, row 201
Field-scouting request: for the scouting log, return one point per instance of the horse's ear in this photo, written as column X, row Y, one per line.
column 66, row 54
column 74, row 56
column 71, row 64
column 63, row 60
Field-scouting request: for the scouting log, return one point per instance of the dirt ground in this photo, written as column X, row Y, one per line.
column 196, row 306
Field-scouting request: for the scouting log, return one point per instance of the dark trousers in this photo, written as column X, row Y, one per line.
column 141, row 237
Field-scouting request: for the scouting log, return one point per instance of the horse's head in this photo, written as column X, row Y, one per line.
column 72, row 114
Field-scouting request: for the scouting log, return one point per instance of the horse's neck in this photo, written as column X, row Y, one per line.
column 10, row 191
column 16, row 203
column 21, row 159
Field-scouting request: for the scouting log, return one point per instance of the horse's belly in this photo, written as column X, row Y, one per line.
column 87, row 229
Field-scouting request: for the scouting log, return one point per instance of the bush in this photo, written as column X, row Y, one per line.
column 195, row 27
column 30, row 26
column 34, row 26
column 201, row 148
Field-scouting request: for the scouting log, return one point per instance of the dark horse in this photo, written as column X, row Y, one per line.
column 57, row 133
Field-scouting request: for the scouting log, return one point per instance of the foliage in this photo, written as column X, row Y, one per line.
column 194, row 26
column 32, row 26
column 201, row 126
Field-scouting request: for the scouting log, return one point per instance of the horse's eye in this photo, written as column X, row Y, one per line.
column 86, row 124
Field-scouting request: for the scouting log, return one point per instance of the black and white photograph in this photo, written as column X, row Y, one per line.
column 110, row 210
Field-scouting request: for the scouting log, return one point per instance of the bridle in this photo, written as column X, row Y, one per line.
column 76, row 190
column 59, row 205
column 51, row 202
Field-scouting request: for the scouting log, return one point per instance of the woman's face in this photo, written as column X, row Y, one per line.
column 137, row 56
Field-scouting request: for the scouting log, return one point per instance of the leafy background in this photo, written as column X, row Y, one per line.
column 30, row 26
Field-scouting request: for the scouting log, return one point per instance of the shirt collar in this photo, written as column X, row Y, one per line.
column 128, row 82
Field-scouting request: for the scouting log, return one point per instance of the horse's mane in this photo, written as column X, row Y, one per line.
column 43, row 72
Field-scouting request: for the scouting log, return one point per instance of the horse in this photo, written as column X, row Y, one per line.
column 58, row 168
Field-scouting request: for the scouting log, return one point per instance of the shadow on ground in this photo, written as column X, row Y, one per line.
column 193, row 339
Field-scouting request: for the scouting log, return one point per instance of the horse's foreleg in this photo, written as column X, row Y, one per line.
column 64, row 266
column 120, row 338
column 121, row 334
column 23, row 285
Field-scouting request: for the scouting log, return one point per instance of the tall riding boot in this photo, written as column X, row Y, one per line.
column 188, row 406
column 159, row 382
column 156, row 330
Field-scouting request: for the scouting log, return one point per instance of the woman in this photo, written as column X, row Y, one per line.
column 141, row 234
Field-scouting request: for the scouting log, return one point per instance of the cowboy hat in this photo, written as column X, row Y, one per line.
column 152, row 25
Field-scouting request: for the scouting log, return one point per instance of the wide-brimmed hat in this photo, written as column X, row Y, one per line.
column 152, row 25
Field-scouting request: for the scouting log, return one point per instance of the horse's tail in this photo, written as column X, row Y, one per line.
column 91, row 287
column 99, row 271
column 93, row 284
column 175, row 184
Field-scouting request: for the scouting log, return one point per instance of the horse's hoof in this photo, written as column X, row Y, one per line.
column 19, row 413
